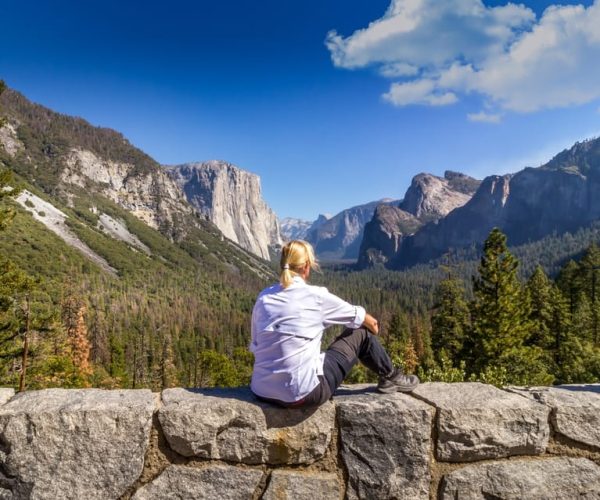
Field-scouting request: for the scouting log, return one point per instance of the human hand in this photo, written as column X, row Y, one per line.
column 371, row 324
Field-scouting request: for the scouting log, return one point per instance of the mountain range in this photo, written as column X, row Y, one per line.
column 97, row 175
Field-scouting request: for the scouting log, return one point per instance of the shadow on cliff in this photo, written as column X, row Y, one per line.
column 275, row 416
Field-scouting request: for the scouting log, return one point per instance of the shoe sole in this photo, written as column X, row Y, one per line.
column 397, row 388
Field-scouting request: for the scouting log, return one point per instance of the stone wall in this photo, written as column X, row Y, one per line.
column 448, row 441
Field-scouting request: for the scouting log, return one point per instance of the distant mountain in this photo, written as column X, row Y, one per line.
column 339, row 237
column 560, row 196
column 428, row 199
column 103, row 180
column 293, row 229
column 231, row 198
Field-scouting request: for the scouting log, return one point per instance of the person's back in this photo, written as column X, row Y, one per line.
column 288, row 320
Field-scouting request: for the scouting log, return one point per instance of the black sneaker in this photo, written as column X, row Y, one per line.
column 397, row 382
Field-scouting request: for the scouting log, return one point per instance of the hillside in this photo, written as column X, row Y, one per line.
column 156, row 282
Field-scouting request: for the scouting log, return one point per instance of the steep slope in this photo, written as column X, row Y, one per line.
column 557, row 197
column 428, row 199
column 104, row 180
column 231, row 198
column 339, row 237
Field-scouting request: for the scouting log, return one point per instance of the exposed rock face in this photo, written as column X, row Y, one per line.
column 477, row 421
column 87, row 443
column 339, row 237
column 9, row 140
column 149, row 194
column 428, row 199
column 557, row 197
column 297, row 485
column 294, row 229
column 575, row 410
column 383, row 235
column 386, row 443
column 213, row 482
column 231, row 198
column 535, row 480
column 233, row 425
column 431, row 198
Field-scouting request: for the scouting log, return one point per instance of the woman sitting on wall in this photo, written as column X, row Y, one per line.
column 288, row 321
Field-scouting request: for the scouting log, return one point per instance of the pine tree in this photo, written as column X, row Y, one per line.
column 500, row 314
column 450, row 322
column 541, row 316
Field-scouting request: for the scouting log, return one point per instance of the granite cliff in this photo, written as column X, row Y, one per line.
column 339, row 237
column 557, row 197
column 231, row 198
column 428, row 199
column 70, row 159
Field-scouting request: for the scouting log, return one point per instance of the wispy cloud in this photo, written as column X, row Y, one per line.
column 439, row 51
column 484, row 117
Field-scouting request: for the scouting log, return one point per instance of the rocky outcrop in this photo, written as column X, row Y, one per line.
column 535, row 202
column 339, row 237
column 149, row 194
column 231, row 198
column 384, row 233
column 427, row 200
column 431, row 198
column 442, row 441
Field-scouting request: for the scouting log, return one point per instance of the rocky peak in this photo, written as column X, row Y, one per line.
column 231, row 198
column 430, row 197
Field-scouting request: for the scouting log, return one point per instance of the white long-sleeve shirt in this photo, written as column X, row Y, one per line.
column 287, row 327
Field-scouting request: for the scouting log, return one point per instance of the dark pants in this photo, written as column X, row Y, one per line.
column 343, row 353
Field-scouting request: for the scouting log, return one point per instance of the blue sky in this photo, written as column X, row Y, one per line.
column 332, row 102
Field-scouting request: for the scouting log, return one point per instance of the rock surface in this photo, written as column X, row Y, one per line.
column 477, row 421
column 231, row 198
column 149, row 194
column 384, row 233
column 293, row 229
column 385, row 443
column 215, row 482
column 339, row 237
column 428, row 199
column 86, row 443
column 535, row 202
column 231, row 424
column 575, row 410
column 298, row 485
column 6, row 393
column 552, row 478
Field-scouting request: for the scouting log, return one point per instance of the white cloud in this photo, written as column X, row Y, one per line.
column 418, row 92
column 439, row 50
column 484, row 117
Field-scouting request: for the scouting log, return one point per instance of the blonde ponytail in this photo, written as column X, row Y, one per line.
column 294, row 256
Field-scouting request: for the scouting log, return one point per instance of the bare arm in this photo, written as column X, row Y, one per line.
column 371, row 324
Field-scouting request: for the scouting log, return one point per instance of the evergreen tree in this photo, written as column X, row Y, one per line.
column 450, row 322
column 541, row 316
column 500, row 314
